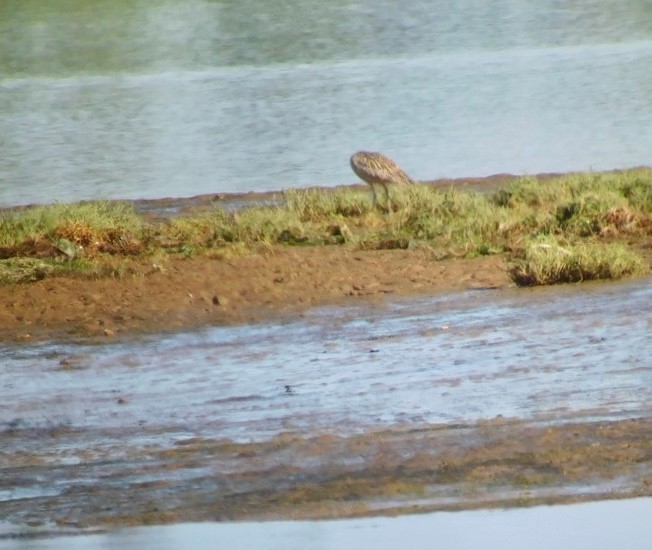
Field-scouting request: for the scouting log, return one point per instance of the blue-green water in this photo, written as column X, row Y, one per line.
column 125, row 99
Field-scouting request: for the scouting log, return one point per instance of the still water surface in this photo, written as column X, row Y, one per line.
column 591, row 526
column 177, row 98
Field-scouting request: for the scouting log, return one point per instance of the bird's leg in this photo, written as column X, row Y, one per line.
column 389, row 202
column 373, row 192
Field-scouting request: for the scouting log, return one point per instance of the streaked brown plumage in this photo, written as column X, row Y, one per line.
column 376, row 168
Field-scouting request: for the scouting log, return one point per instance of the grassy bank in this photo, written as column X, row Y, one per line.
column 569, row 228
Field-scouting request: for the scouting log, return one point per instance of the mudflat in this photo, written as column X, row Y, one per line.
column 190, row 292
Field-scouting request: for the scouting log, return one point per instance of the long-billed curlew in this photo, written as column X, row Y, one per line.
column 376, row 168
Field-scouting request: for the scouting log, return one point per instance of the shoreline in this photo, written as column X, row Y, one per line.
column 186, row 294
column 168, row 206
column 270, row 282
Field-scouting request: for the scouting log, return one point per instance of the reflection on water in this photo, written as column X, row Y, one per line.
column 150, row 99
column 592, row 526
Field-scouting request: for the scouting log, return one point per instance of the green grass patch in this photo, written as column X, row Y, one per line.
column 82, row 222
column 457, row 219
column 582, row 209
column 548, row 262
column 29, row 270
column 579, row 204
column 24, row 270
column 316, row 204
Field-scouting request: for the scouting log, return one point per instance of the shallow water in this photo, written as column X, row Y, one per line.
column 558, row 354
column 589, row 526
column 82, row 425
column 196, row 97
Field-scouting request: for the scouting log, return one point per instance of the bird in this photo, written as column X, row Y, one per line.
column 376, row 168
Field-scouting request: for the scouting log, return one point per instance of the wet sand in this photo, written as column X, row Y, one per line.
column 186, row 293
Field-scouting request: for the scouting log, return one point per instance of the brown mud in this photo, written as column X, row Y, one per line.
column 189, row 292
